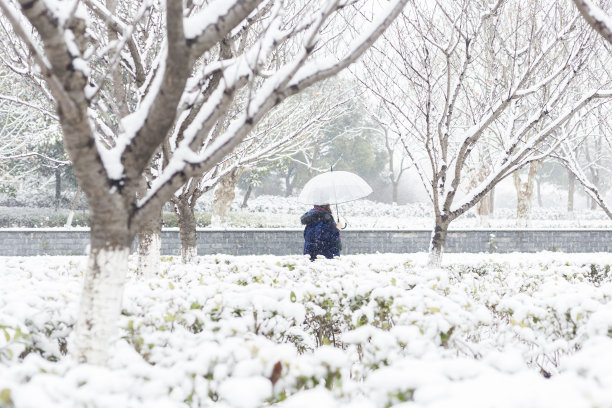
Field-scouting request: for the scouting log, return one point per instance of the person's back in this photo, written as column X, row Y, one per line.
column 321, row 236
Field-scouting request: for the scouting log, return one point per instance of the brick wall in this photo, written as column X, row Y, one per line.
column 29, row 242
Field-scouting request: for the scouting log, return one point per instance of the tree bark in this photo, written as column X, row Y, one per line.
column 524, row 194
column 96, row 327
column 596, row 184
column 394, row 193
column 483, row 209
column 437, row 243
column 58, row 187
column 187, row 227
column 73, row 207
column 288, row 183
column 247, row 195
column 149, row 247
column 224, row 195
column 539, row 193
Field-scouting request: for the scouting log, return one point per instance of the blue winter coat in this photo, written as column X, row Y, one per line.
column 321, row 237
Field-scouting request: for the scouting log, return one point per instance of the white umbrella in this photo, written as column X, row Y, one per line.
column 334, row 187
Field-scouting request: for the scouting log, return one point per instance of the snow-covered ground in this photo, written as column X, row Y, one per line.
column 273, row 211
column 486, row 330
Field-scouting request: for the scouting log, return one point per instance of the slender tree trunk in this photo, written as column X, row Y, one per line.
column 58, row 187
column 73, row 207
column 187, row 227
column 288, row 187
column 594, row 204
column 539, row 193
column 483, row 209
column 225, row 191
column 394, row 186
column 437, row 243
column 524, row 195
column 96, row 327
column 571, row 188
column 149, row 248
column 149, row 237
column 492, row 201
column 247, row 195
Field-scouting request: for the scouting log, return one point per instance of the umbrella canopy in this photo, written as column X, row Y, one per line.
column 334, row 187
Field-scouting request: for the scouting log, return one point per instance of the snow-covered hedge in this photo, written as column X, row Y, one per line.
column 285, row 212
column 360, row 331
column 275, row 211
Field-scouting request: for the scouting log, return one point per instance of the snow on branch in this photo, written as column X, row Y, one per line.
column 202, row 30
column 34, row 154
column 291, row 78
column 596, row 17
column 40, row 109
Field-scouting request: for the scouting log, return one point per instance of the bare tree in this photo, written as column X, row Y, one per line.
column 586, row 152
column 281, row 133
column 436, row 90
column 26, row 121
column 78, row 60
column 398, row 161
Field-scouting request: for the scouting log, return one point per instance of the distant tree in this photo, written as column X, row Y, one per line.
column 350, row 142
column 31, row 148
column 434, row 90
column 586, row 153
column 283, row 132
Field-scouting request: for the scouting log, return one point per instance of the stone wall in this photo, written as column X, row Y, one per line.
column 28, row 242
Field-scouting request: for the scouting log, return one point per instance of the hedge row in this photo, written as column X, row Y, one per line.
column 15, row 217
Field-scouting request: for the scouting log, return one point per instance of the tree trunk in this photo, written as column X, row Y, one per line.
column 58, row 187
column 225, row 191
column 187, row 227
column 288, row 188
column 290, row 178
column 595, row 173
column 437, row 243
column 483, row 209
column 96, row 327
column 149, row 248
column 149, row 236
column 571, row 188
column 524, row 195
column 73, row 207
column 492, row 201
column 247, row 195
column 539, row 193
column 394, row 186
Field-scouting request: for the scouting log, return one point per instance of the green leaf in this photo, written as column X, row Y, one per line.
column 5, row 396
column 293, row 297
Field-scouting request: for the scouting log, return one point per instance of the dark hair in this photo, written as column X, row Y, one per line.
column 327, row 207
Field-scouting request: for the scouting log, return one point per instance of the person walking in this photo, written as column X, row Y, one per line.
column 321, row 235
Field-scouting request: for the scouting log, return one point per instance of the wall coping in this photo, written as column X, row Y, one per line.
column 176, row 229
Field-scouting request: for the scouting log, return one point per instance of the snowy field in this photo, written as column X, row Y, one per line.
column 360, row 331
column 273, row 211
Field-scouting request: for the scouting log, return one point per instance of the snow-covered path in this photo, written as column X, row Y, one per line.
column 486, row 330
